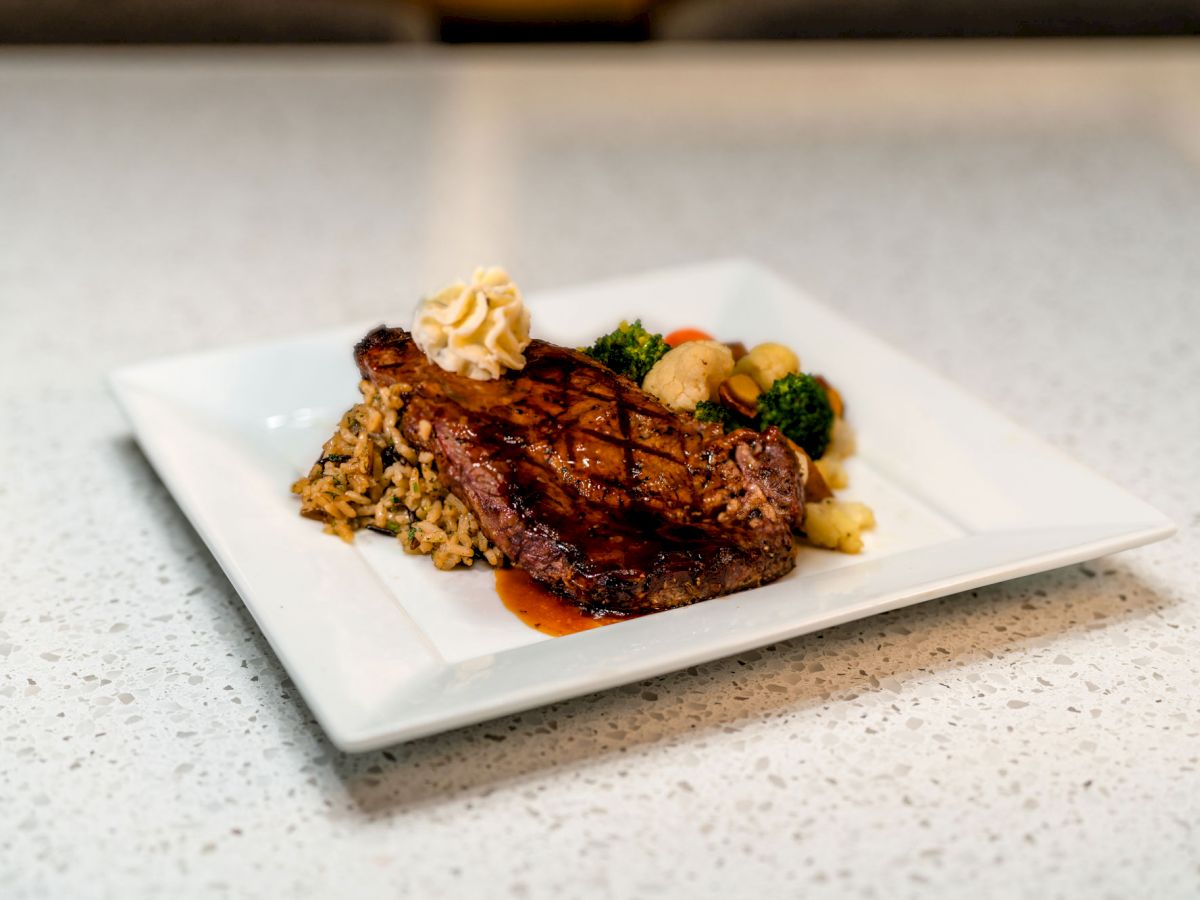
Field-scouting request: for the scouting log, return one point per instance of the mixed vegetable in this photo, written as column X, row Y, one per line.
column 630, row 350
column 690, row 371
column 726, row 384
column 798, row 406
column 711, row 411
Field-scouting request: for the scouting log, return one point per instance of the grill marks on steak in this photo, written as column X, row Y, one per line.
column 594, row 487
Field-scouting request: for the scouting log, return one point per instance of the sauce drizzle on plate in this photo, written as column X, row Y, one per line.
column 543, row 610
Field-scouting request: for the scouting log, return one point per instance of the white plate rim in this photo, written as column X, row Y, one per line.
column 451, row 696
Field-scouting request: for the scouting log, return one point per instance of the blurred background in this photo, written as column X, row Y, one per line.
column 483, row 21
column 1021, row 214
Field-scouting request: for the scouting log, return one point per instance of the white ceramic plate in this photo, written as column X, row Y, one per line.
column 385, row 648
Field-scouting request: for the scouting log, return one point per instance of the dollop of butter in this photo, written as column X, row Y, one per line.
column 478, row 329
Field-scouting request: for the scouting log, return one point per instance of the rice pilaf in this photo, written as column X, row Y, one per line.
column 369, row 476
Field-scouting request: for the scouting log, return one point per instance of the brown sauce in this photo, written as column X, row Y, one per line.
column 542, row 609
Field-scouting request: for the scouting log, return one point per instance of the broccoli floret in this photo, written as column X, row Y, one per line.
column 799, row 407
column 710, row 411
column 707, row 411
column 630, row 350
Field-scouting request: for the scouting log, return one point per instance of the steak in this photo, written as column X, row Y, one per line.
column 594, row 487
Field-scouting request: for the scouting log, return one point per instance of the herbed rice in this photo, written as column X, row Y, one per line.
column 368, row 476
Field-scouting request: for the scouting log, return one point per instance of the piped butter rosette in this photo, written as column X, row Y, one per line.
column 479, row 329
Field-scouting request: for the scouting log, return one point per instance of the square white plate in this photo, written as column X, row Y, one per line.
column 385, row 648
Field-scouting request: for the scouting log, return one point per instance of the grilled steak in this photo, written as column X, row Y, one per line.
column 594, row 487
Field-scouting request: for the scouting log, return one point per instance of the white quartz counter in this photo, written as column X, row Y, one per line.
column 1026, row 218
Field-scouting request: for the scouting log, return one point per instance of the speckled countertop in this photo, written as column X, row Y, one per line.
column 1027, row 219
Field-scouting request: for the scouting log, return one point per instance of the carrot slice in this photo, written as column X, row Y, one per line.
column 683, row 335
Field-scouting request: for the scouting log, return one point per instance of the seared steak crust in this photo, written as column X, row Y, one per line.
column 593, row 486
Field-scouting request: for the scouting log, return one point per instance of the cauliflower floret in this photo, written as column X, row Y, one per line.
column 690, row 373
column 837, row 524
column 842, row 442
column 767, row 363
column 833, row 470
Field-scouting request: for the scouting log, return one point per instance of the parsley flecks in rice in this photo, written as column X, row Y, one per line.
column 368, row 476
